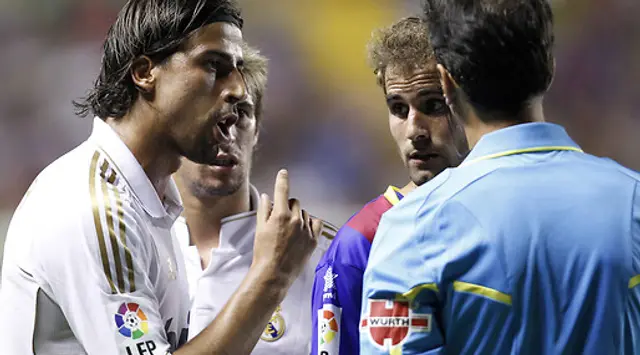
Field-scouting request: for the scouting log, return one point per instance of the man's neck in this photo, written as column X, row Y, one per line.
column 475, row 128
column 148, row 145
column 204, row 216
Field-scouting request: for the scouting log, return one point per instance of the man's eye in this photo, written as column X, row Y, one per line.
column 434, row 107
column 399, row 110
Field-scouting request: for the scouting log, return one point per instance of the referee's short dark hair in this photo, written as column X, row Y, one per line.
column 500, row 52
column 153, row 28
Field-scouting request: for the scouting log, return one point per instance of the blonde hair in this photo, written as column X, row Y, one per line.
column 403, row 46
column 255, row 75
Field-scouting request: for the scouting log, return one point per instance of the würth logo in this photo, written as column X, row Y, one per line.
column 390, row 322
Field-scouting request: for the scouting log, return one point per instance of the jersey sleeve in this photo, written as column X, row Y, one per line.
column 434, row 278
column 400, row 304
column 93, row 266
column 336, row 294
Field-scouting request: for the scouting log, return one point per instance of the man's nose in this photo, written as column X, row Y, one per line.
column 418, row 129
column 224, row 129
column 235, row 89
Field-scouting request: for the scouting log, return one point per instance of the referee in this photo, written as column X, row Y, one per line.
column 531, row 246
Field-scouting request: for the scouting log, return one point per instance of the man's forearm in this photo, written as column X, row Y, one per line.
column 237, row 328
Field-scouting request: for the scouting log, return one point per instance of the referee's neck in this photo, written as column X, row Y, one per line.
column 476, row 126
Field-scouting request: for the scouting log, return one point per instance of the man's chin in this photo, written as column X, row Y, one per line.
column 422, row 176
column 215, row 189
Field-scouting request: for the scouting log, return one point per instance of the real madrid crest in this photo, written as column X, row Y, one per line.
column 275, row 328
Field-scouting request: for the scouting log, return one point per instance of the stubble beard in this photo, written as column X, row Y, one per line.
column 226, row 188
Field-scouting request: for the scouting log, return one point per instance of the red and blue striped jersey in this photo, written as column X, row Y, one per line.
column 337, row 288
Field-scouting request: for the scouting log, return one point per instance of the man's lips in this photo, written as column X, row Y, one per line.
column 225, row 160
column 423, row 156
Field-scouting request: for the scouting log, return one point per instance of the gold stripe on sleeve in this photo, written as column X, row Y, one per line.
column 112, row 233
column 123, row 240
column 96, row 220
column 112, row 237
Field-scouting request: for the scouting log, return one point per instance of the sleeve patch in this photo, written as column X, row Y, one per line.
column 329, row 318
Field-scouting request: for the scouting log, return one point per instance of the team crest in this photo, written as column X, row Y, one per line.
column 389, row 323
column 275, row 328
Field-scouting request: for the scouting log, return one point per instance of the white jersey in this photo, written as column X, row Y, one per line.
column 289, row 330
column 90, row 266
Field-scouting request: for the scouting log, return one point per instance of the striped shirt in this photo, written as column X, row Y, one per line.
column 90, row 266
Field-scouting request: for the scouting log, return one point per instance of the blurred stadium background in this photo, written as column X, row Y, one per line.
column 325, row 118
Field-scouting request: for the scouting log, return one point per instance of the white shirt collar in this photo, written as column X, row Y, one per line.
column 236, row 232
column 129, row 167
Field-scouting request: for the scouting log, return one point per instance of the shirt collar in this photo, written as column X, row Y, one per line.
column 393, row 195
column 236, row 231
column 129, row 168
column 521, row 138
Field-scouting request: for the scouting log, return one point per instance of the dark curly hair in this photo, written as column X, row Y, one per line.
column 153, row 28
column 500, row 52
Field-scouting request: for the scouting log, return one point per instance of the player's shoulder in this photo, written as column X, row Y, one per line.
column 327, row 235
column 78, row 194
column 353, row 240
column 365, row 222
column 603, row 163
column 59, row 188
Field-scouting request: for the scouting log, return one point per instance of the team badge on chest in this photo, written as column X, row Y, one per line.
column 275, row 328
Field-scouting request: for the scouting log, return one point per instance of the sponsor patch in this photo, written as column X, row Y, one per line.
column 389, row 323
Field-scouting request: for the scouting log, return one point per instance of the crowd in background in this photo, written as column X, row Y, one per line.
column 325, row 118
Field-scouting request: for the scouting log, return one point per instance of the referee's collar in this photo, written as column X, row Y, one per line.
column 129, row 167
column 522, row 138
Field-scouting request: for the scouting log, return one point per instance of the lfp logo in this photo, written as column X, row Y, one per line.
column 390, row 322
column 131, row 321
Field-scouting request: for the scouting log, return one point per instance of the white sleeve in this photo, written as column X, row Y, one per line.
column 95, row 266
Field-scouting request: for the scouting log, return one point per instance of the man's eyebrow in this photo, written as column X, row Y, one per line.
column 223, row 56
column 393, row 97
column 430, row 91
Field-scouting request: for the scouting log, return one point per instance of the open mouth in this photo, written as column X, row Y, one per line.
column 423, row 156
column 226, row 161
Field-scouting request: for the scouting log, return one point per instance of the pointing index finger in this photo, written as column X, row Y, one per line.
column 281, row 191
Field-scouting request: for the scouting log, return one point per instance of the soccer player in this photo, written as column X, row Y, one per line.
column 217, row 230
column 428, row 142
column 531, row 246
column 90, row 266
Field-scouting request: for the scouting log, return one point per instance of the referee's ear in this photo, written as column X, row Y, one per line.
column 553, row 73
column 448, row 85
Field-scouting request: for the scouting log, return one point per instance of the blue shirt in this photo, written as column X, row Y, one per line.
column 529, row 247
column 337, row 287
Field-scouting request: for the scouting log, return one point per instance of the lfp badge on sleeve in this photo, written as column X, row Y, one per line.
column 390, row 322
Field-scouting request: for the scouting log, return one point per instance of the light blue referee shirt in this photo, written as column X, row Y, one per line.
column 529, row 247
